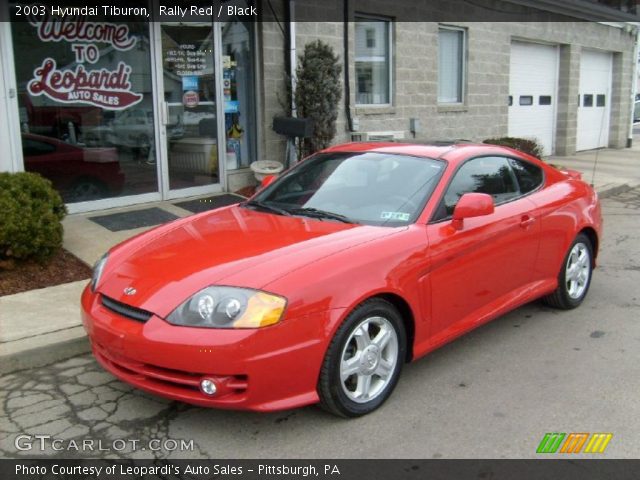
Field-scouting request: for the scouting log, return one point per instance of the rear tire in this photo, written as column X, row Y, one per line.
column 574, row 278
column 143, row 147
column 364, row 360
column 86, row 189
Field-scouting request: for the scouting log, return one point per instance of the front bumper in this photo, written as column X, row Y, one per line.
column 271, row 368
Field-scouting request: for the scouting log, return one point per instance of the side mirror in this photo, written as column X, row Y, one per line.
column 471, row 205
column 268, row 180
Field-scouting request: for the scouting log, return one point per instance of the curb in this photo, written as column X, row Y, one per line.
column 44, row 355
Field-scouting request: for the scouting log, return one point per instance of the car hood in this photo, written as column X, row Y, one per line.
column 232, row 246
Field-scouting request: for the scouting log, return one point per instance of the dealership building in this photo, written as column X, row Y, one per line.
column 116, row 111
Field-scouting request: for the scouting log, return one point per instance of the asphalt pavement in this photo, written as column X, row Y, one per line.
column 493, row 393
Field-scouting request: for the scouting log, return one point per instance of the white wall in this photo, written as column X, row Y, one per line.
column 5, row 160
column 10, row 143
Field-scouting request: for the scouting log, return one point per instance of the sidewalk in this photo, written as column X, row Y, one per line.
column 607, row 169
column 43, row 326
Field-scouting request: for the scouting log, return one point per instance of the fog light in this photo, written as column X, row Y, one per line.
column 208, row 386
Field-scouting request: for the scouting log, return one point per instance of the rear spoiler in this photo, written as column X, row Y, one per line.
column 571, row 173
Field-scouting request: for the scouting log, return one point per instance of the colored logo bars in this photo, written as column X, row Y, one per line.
column 573, row 443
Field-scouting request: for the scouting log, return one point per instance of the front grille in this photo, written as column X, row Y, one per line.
column 126, row 310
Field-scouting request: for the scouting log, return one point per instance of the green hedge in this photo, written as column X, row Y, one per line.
column 31, row 212
column 523, row 144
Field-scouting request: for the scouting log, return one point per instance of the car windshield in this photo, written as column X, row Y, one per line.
column 356, row 187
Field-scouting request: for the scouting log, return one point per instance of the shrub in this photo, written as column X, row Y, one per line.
column 523, row 144
column 318, row 91
column 31, row 212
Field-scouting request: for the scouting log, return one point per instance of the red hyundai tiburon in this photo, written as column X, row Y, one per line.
column 357, row 260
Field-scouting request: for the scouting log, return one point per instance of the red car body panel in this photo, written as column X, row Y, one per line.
column 66, row 164
column 444, row 281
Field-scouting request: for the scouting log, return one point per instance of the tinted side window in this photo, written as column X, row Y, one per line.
column 529, row 175
column 32, row 148
column 491, row 175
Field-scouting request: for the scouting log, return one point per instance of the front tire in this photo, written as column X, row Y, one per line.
column 86, row 189
column 574, row 278
column 364, row 360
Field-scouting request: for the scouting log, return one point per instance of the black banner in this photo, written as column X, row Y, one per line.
column 326, row 10
column 49, row 469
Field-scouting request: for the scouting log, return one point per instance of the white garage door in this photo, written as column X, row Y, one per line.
column 594, row 109
column 533, row 87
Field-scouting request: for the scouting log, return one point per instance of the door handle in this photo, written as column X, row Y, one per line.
column 526, row 221
column 164, row 113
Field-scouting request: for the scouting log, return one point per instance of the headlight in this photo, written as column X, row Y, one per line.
column 229, row 307
column 97, row 271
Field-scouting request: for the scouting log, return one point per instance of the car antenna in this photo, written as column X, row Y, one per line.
column 595, row 165
column 595, row 161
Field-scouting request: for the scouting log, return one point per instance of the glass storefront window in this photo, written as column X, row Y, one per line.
column 86, row 105
column 239, row 93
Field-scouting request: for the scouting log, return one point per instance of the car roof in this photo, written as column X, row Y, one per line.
column 453, row 151
column 44, row 139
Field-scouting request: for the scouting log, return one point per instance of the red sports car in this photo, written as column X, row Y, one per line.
column 321, row 286
column 79, row 173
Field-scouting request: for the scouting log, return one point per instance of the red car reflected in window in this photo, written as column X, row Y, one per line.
column 78, row 173
column 357, row 260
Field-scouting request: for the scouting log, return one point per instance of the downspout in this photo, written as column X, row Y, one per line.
column 347, row 82
column 634, row 87
column 292, row 54
column 291, row 61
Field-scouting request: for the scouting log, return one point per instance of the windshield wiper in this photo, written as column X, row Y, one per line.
column 266, row 207
column 316, row 213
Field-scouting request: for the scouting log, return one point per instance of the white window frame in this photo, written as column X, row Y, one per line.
column 11, row 136
column 463, row 80
column 358, row 17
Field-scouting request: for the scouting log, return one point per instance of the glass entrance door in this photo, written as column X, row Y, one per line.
column 189, row 108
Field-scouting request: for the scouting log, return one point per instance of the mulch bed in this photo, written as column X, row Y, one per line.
column 62, row 268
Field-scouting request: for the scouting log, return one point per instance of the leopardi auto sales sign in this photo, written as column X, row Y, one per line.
column 102, row 87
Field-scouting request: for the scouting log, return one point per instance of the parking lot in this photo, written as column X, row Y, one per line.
column 491, row 394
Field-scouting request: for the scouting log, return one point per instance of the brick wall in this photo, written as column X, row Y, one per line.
column 485, row 111
column 272, row 88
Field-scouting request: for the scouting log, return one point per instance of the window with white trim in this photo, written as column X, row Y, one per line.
column 373, row 60
column 451, row 65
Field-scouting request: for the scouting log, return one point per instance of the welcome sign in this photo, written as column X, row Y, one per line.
column 105, row 88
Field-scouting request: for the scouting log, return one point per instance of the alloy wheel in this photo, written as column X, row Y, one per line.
column 368, row 359
column 577, row 270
